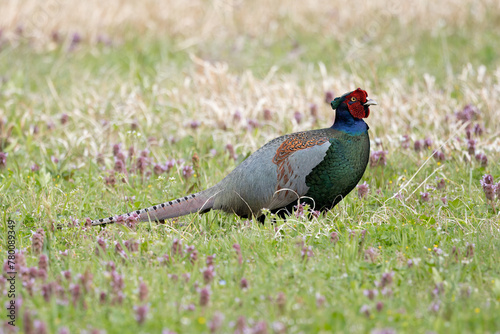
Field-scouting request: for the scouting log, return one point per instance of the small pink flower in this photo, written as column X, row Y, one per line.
column 405, row 141
column 3, row 159
column 298, row 117
column 204, row 296
column 313, row 109
column 378, row 158
column 143, row 291
column 208, row 274
column 141, row 313
column 268, row 115
column 329, row 96
column 363, row 190
column 482, row 158
column 425, row 197
column 244, row 283
column 187, row 171
column 428, row 143
column 418, row 145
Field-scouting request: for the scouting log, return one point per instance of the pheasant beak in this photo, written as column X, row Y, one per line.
column 370, row 102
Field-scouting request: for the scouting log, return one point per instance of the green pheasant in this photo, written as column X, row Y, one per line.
column 319, row 167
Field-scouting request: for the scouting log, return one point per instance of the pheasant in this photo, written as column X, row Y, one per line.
column 318, row 167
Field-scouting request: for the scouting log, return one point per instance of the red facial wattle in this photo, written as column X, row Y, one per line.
column 355, row 103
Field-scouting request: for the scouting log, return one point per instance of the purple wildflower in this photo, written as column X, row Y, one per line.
column 425, row 197
column 37, row 240
column 279, row 327
column 299, row 210
column 143, row 291
column 260, row 328
column 378, row 158
column 237, row 248
column 75, row 293
column 334, row 237
column 34, row 168
column 471, row 146
column 329, row 96
column 371, row 254
column 39, row 327
column 86, row 280
column 405, row 141
column 244, row 283
column 428, row 143
column 482, row 158
column 441, row 184
column 204, row 296
column 64, row 118
column 177, row 247
column 434, row 307
column 470, row 249
column 64, row 330
column 444, row 199
column 43, row 262
column 467, row 113
column 187, row 171
column 141, row 163
column 371, row 294
column 363, row 190
column 365, row 309
column 307, row 253
column 268, row 115
column 237, row 116
column 120, row 166
column 418, row 145
column 216, row 322
column 252, row 124
column 386, row 279
column 76, row 38
column 320, row 300
column 241, row 327
column 208, row 274
column 159, row 169
column 478, row 130
column 281, row 301
column 141, row 313
column 50, row 125
column 298, row 117
column 116, row 149
column 210, row 260
column 437, row 251
column 313, row 109
column 488, row 187
column 438, row 155
column 101, row 243
column 3, row 159
column 132, row 245
column 194, row 124
column 230, row 150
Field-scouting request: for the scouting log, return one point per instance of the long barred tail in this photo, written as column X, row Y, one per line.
column 199, row 202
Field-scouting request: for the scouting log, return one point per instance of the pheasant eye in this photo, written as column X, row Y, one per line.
column 353, row 99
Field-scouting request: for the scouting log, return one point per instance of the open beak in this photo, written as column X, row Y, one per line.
column 370, row 102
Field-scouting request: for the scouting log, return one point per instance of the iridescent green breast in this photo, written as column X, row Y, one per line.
column 340, row 171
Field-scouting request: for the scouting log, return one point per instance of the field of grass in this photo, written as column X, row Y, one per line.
column 180, row 93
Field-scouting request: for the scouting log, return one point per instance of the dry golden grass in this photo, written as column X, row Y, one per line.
column 196, row 21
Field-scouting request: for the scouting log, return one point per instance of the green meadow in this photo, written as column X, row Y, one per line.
column 105, row 109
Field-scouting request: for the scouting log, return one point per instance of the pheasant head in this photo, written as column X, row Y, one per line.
column 357, row 103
